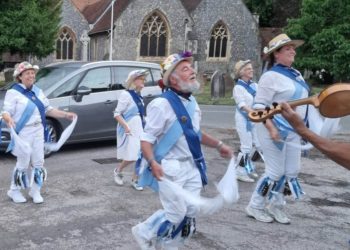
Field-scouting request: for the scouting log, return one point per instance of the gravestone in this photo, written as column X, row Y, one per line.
column 217, row 85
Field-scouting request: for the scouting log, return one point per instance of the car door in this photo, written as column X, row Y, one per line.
column 95, row 110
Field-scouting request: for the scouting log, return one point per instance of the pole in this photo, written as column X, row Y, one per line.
column 111, row 35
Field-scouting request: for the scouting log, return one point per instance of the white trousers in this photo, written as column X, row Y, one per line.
column 247, row 138
column 34, row 136
column 277, row 162
column 185, row 174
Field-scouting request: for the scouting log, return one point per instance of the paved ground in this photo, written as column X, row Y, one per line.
column 84, row 209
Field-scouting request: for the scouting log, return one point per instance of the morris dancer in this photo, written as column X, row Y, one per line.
column 280, row 83
column 130, row 115
column 243, row 94
column 25, row 108
column 171, row 145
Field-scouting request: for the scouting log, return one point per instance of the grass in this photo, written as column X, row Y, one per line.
column 204, row 97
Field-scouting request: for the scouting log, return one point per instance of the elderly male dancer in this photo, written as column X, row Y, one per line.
column 171, row 145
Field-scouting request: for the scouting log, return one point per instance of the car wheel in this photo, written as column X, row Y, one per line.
column 54, row 134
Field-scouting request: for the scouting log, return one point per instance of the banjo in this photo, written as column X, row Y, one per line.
column 332, row 102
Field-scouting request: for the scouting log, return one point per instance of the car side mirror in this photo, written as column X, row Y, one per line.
column 83, row 90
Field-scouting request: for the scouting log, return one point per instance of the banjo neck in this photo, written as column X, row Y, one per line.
column 313, row 100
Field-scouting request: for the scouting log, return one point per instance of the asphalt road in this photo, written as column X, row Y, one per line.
column 84, row 209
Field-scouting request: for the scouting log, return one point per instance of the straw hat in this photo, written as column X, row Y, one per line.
column 23, row 66
column 133, row 75
column 280, row 41
column 171, row 62
column 239, row 66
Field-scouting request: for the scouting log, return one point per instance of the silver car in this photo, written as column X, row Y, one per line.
column 91, row 90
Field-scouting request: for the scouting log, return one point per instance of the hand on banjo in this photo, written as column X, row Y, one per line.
column 332, row 102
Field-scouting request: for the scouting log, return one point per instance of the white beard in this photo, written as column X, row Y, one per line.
column 188, row 87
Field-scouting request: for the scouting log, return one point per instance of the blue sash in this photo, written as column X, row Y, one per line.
column 192, row 138
column 32, row 95
column 138, row 101
column 282, row 125
column 247, row 86
column 252, row 91
column 290, row 73
column 163, row 147
column 126, row 116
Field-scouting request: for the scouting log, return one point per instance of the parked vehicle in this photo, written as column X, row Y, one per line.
column 91, row 90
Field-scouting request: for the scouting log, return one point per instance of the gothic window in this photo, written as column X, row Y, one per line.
column 218, row 41
column 153, row 36
column 65, row 45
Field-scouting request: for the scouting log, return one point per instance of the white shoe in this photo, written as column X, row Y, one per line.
column 16, row 196
column 143, row 243
column 254, row 174
column 278, row 214
column 259, row 214
column 35, row 194
column 244, row 178
column 135, row 185
column 118, row 178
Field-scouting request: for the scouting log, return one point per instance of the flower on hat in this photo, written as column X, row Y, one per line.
column 171, row 61
column 23, row 66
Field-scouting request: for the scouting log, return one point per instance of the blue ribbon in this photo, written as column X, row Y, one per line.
column 191, row 136
column 163, row 147
column 139, row 103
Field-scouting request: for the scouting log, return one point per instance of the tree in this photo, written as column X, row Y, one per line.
column 325, row 27
column 273, row 13
column 29, row 27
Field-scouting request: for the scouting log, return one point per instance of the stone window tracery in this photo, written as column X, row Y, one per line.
column 153, row 40
column 218, row 41
column 65, row 45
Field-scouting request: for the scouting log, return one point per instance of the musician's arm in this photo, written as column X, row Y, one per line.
column 337, row 151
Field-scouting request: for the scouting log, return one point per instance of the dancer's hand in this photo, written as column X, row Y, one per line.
column 225, row 151
column 157, row 170
column 70, row 115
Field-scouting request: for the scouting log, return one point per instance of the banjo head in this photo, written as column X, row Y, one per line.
column 335, row 101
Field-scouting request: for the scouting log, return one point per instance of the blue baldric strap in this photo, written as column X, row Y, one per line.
column 191, row 136
column 34, row 102
column 282, row 125
column 163, row 147
column 138, row 101
column 126, row 116
column 248, row 87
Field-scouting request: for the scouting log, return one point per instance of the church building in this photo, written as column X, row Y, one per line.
column 218, row 33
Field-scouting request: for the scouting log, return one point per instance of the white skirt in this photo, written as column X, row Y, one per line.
column 129, row 146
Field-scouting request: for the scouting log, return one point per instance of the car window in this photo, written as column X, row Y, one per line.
column 121, row 74
column 97, row 80
column 156, row 76
column 46, row 77
column 67, row 87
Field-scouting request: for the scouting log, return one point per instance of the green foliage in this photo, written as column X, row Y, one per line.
column 29, row 27
column 263, row 8
column 325, row 27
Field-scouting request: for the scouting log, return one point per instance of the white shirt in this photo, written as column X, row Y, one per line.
column 125, row 103
column 242, row 96
column 15, row 104
column 160, row 117
column 275, row 87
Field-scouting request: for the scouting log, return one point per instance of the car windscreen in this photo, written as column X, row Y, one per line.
column 49, row 75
